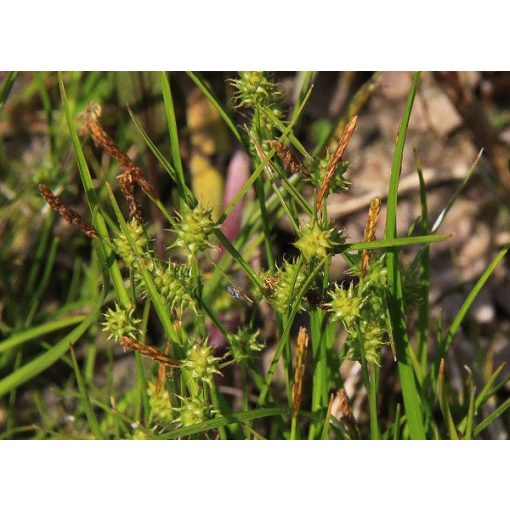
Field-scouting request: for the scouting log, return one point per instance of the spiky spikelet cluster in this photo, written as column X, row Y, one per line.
column 176, row 285
column 281, row 287
column 193, row 228
column 370, row 334
column 317, row 240
column 363, row 312
column 319, row 171
column 160, row 404
column 374, row 285
column 345, row 305
column 139, row 239
column 192, row 411
column 120, row 322
column 201, row 362
column 254, row 89
column 139, row 435
column 244, row 344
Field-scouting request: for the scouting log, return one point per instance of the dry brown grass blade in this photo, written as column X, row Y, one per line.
column 373, row 216
column 148, row 351
column 69, row 214
column 335, row 160
column 297, row 388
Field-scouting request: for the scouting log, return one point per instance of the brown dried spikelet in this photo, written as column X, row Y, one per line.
column 344, row 405
column 148, row 351
column 297, row 388
column 373, row 216
column 335, row 160
column 290, row 162
column 69, row 214
column 128, row 190
column 90, row 120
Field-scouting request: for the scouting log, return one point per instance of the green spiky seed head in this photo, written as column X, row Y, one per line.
column 317, row 240
column 377, row 274
column 139, row 435
column 191, row 411
column 319, row 171
column 160, row 404
column 371, row 335
column 244, row 344
column 283, row 286
column 138, row 237
column 201, row 362
column 253, row 89
column 344, row 305
column 120, row 322
column 176, row 286
column 192, row 231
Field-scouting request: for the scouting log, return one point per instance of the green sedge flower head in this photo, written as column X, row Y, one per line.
column 193, row 229
column 283, row 286
column 253, row 89
column 191, row 411
column 139, row 435
column 320, row 169
column 244, row 344
column 317, row 240
column 160, row 404
column 345, row 305
column 201, row 362
column 377, row 274
column 139, row 239
column 175, row 285
column 370, row 334
column 120, row 322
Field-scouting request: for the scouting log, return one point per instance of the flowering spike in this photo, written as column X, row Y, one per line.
column 121, row 323
column 317, row 240
column 193, row 229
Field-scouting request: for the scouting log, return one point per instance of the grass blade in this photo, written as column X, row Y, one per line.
column 85, row 401
column 172, row 130
column 6, row 87
column 210, row 95
column 44, row 361
column 443, row 403
column 470, row 298
column 397, row 242
column 214, row 423
column 31, row 334
column 105, row 252
column 411, row 396
column 493, row 416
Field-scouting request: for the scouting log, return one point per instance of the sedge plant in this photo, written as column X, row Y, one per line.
column 230, row 337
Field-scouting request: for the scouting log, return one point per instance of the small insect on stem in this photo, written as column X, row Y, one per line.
column 238, row 294
column 335, row 160
column 373, row 216
column 148, row 351
column 69, row 214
